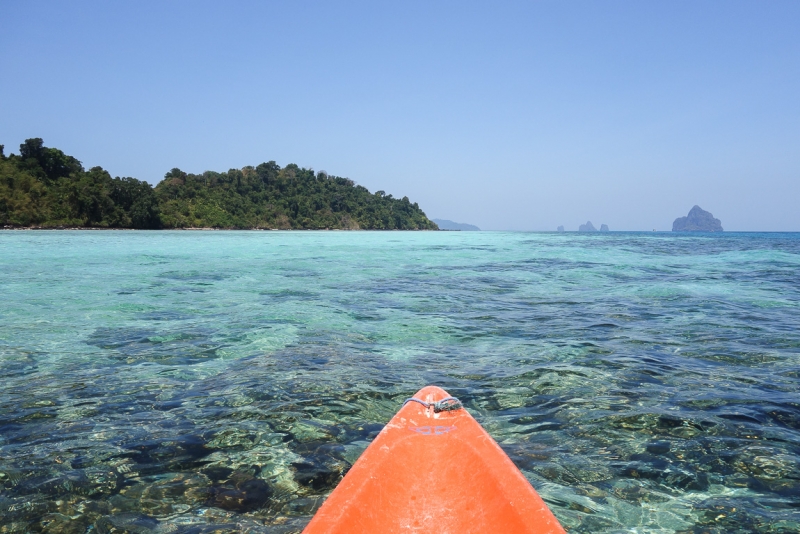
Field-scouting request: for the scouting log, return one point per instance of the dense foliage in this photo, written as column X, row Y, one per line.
column 45, row 187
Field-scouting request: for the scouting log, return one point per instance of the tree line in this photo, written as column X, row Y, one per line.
column 44, row 187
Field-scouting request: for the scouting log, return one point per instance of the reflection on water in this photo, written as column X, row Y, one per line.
column 167, row 382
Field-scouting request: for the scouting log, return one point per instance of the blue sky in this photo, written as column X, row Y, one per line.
column 518, row 116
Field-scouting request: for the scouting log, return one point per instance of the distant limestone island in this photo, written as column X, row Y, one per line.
column 445, row 224
column 698, row 220
column 589, row 227
column 45, row 188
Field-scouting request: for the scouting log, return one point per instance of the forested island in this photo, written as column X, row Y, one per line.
column 43, row 187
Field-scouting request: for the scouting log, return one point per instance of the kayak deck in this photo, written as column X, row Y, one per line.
column 430, row 471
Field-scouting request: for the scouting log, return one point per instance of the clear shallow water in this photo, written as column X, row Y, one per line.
column 189, row 382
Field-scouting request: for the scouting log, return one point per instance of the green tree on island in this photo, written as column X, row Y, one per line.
column 44, row 187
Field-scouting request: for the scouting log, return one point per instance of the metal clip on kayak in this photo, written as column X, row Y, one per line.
column 448, row 404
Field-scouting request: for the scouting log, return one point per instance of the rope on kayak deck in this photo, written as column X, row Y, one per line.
column 448, row 404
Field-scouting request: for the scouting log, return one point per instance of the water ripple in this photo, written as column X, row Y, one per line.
column 226, row 381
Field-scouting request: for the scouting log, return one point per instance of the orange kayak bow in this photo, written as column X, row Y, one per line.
column 434, row 469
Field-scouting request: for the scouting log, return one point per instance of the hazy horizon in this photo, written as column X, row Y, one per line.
column 517, row 116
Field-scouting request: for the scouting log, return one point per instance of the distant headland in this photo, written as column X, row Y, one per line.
column 43, row 187
column 698, row 220
column 445, row 224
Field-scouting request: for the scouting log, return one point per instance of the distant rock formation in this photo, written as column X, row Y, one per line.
column 698, row 220
column 604, row 228
column 588, row 227
column 560, row 229
column 444, row 224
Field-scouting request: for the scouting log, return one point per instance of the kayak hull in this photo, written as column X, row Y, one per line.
column 433, row 472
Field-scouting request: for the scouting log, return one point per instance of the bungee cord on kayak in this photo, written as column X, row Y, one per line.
column 447, row 404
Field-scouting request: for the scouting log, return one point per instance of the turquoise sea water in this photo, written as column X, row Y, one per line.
column 191, row 382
